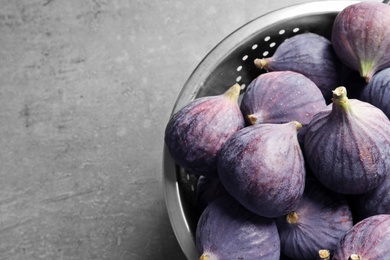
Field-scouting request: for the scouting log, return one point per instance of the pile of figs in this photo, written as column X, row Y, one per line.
column 298, row 167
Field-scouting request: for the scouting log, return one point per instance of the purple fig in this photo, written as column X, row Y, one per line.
column 281, row 97
column 309, row 54
column 262, row 167
column 207, row 190
column 368, row 239
column 361, row 37
column 195, row 134
column 319, row 221
column 377, row 91
column 374, row 202
column 347, row 146
column 226, row 230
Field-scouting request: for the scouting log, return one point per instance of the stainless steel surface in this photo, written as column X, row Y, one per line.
column 229, row 62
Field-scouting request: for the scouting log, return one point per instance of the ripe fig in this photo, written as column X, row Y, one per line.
column 377, row 91
column 207, row 190
column 262, row 167
column 319, row 221
column 281, row 97
column 368, row 239
column 347, row 146
column 309, row 54
column 226, row 230
column 361, row 37
column 195, row 134
column 374, row 202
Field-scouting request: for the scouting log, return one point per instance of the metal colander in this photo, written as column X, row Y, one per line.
column 230, row 62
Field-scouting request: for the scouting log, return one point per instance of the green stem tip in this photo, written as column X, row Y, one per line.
column 340, row 94
column 297, row 125
column 261, row 63
column 204, row 257
column 340, row 98
column 233, row 92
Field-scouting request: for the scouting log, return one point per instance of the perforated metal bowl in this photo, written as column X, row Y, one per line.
column 229, row 62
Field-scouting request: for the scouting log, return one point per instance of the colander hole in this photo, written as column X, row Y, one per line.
column 282, row 31
column 265, row 53
column 243, row 86
column 238, row 79
column 192, row 188
column 188, row 177
column 296, row 30
column 266, row 39
column 239, row 68
column 272, row 44
column 245, row 57
column 254, row 47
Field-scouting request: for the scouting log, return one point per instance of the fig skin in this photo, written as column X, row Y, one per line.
column 374, row 202
column 361, row 37
column 311, row 55
column 262, row 167
column 377, row 91
column 207, row 190
column 195, row 134
column 320, row 220
column 347, row 146
column 226, row 230
column 368, row 239
column 281, row 97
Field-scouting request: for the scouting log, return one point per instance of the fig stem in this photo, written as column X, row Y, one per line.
column 297, row 125
column 208, row 256
column 366, row 69
column 252, row 119
column 292, row 217
column 324, row 254
column 340, row 97
column 354, row 257
column 233, row 92
column 204, row 257
column 260, row 63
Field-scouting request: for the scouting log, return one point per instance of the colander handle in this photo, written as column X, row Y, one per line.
column 386, row 2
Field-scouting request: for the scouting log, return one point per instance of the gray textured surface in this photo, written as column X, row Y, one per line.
column 86, row 88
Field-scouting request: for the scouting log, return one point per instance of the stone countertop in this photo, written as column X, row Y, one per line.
column 86, row 89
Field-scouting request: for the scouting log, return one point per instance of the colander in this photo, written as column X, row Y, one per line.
column 230, row 62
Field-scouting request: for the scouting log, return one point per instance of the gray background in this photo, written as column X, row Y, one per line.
column 86, row 88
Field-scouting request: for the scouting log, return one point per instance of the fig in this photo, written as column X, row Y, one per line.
column 368, row 239
column 377, row 91
column 374, row 202
column 195, row 134
column 361, row 37
column 226, row 230
column 320, row 220
column 281, row 97
column 207, row 190
column 311, row 55
column 263, row 168
column 347, row 146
